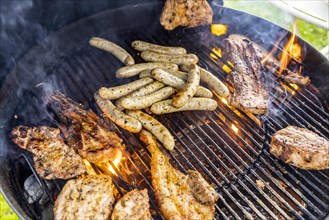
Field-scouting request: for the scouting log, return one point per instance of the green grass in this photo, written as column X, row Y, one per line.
column 5, row 211
column 316, row 36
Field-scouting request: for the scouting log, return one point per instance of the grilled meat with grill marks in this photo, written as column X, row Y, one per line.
column 52, row 157
column 271, row 62
column 89, row 197
column 301, row 148
column 190, row 13
column 179, row 196
column 133, row 205
column 250, row 94
column 88, row 134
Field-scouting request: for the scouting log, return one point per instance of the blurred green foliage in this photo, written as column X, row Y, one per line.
column 5, row 211
column 316, row 36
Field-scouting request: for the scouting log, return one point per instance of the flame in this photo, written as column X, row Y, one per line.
column 217, row 51
column 234, row 128
column 224, row 101
column 218, row 29
column 291, row 50
column 289, row 89
column 89, row 168
column 115, row 162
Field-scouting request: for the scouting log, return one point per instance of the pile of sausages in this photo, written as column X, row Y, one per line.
column 169, row 72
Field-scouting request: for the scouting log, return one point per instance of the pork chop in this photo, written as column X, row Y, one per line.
column 250, row 93
column 301, row 148
column 89, row 197
column 133, row 205
column 190, row 13
column 52, row 157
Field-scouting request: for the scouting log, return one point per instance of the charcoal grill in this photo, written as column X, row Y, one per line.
column 233, row 162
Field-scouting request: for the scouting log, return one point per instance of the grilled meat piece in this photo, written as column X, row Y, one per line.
column 250, row 94
column 52, row 157
column 190, row 13
column 272, row 63
column 301, row 148
column 88, row 134
column 133, row 205
column 89, row 197
column 179, row 196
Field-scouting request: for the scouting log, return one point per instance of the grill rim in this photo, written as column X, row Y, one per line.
column 10, row 93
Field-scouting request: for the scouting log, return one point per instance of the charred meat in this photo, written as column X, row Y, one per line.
column 179, row 196
column 89, row 197
column 301, row 148
column 52, row 157
column 272, row 63
column 88, row 134
column 190, row 13
column 250, row 94
column 133, row 205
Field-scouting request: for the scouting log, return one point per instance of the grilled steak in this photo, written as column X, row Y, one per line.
column 179, row 196
column 52, row 157
column 88, row 134
column 133, row 205
column 250, row 94
column 190, row 13
column 301, row 148
column 89, row 197
column 272, row 63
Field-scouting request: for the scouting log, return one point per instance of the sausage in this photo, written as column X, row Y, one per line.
column 173, row 81
column 147, row 100
column 212, row 81
column 132, row 70
column 152, row 87
column 180, row 74
column 145, row 46
column 119, row 91
column 118, row 117
column 190, row 87
column 165, row 107
column 150, row 56
column 155, row 127
column 112, row 48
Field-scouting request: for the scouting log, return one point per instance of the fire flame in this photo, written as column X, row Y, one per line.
column 234, row 128
column 218, row 29
column 115, row 162
column 89, row 168
column 224, row 101
column 291, row 50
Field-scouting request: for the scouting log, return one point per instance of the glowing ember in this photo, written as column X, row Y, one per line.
column 224, row 101
column 217, row 51
column 291, row 50
column 115, row 162
column 234, row 128
column 289, row 89
column 218, row 29
column 89, row 168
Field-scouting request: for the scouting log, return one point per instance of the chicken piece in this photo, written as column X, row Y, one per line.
column 250, row 93
column 88, row 134
column 52, row 157
column 89, row 197
column 301, row 148
column 271, row 62
column 133, row 205
column 190, row 13
column 179, row 196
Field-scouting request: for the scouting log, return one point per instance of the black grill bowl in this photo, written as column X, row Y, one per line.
column 232, row 162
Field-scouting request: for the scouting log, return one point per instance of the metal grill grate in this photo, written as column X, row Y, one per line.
column 232, row 162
